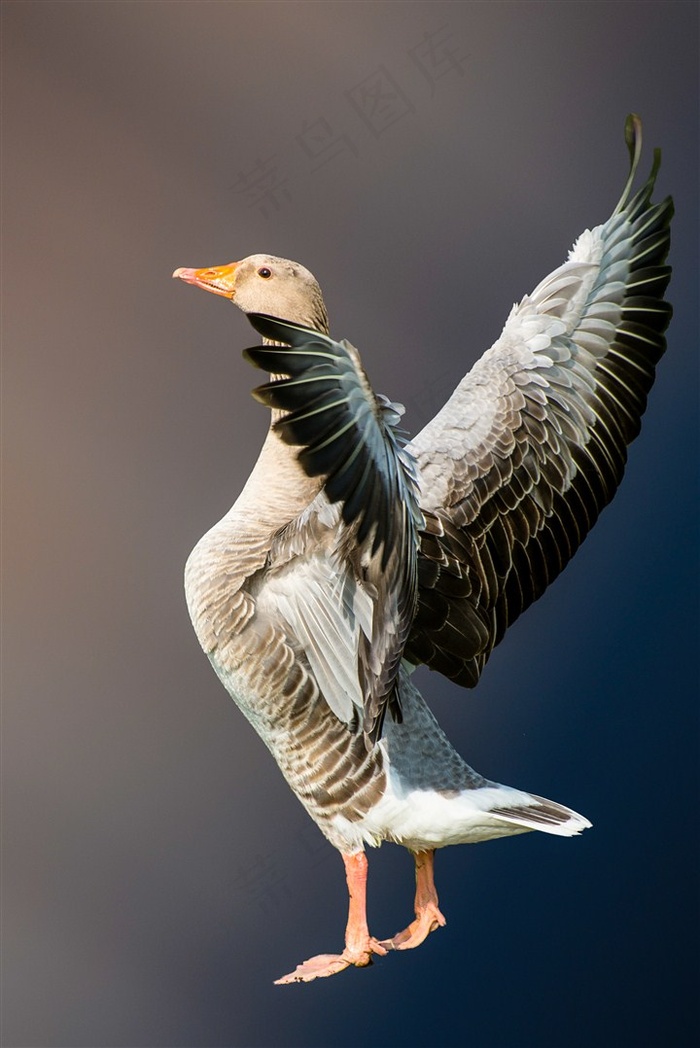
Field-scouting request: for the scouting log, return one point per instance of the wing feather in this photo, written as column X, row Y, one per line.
column 348, row 435
column 533, row 443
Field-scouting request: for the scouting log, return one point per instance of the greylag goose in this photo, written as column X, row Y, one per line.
column 350, row 558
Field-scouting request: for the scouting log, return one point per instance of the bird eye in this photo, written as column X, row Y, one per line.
column 264, row 272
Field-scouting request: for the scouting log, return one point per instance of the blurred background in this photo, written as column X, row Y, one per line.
column 429, row 162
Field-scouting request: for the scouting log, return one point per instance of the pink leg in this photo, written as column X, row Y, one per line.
column 359, row 946
column 428, row 916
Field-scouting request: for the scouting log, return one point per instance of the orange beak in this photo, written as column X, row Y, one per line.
column 217, row 279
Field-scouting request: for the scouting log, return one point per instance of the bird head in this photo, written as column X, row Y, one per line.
column 265, row 284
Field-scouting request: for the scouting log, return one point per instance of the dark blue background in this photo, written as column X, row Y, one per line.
column 158, row 872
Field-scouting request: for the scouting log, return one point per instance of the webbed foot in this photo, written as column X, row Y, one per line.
column 428, row 916
column 326, row 964
column 427, row 921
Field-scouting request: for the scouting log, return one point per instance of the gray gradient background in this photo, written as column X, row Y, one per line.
column 158, row 873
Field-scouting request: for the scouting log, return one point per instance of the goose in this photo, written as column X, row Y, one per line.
column 352, row 556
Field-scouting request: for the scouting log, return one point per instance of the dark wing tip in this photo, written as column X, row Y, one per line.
column 633, row 137
column 277, row 329
column 269, row 326
column 633, row 140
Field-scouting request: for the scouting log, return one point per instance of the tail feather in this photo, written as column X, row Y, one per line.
column 544, row 815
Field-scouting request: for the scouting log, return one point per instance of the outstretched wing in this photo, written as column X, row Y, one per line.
column 347, row 435
column 532, row 444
